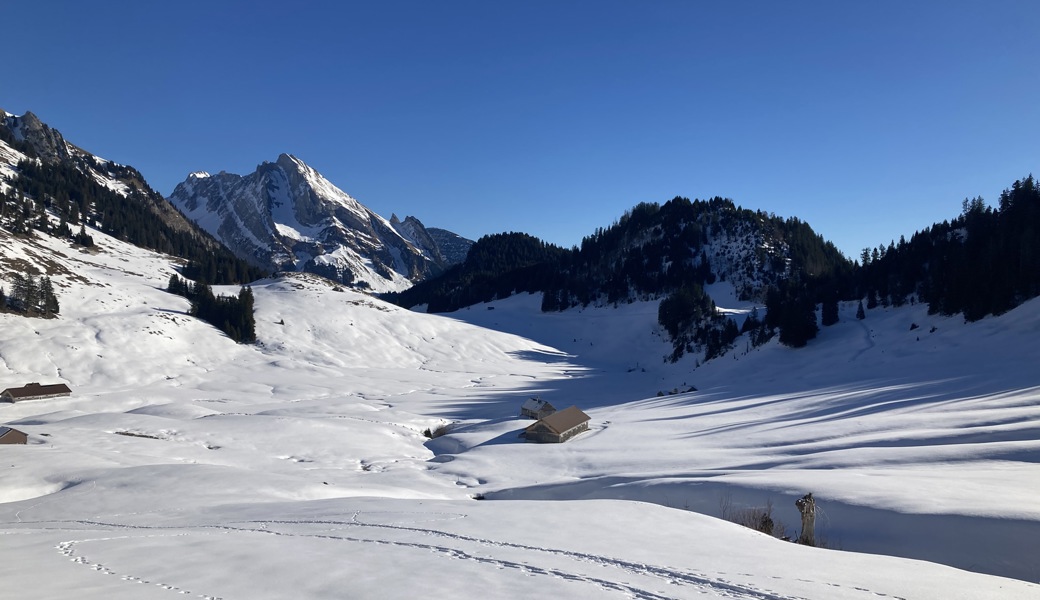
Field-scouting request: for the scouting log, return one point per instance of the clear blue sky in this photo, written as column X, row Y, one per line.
column 869, row 120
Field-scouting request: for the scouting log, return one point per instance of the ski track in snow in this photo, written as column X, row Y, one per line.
column 868, row 339
column 452, row 546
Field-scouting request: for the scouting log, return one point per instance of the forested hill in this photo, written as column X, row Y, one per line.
column 496, row 266
column 654, row 251
column 651, row 251
column 984, row 262
column 51, row 186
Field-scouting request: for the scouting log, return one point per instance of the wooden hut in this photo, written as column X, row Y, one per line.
column 559, row 426
column 12, row 436
column 35, row 391
column 536, row 408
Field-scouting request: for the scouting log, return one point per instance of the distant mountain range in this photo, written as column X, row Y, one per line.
column 284, row 216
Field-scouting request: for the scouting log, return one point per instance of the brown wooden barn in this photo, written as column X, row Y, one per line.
column 558, row 427
column 12, row 436
column 35, row 391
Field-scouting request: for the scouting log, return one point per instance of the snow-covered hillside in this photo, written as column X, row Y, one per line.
column 49, row 144
column 185, row 463
column 918, row 441
column 38, row 142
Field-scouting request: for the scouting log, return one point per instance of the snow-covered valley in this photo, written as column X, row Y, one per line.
column 297, row 467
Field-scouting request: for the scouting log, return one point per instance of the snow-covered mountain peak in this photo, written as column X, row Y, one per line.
column 288, row 216
column 291, row 163
column 313, row 196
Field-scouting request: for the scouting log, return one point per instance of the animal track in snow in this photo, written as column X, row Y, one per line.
column 68, row 548
column 455, row 546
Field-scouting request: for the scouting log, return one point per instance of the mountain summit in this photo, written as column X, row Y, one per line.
column 287, row 216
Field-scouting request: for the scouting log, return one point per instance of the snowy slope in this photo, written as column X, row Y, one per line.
column 9, row 157
column 879, row 420
column 184, row 463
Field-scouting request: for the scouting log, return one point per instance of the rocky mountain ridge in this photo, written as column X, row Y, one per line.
column 287, row 216
column 37, row 140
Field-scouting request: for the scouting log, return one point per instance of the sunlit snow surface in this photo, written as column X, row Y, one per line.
column 186, row 464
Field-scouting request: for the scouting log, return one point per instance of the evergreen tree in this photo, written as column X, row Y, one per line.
column 232, row 315
column 82, row 238
column 48, row 301
column 682, row 308
column 829, row 310
column 26, row 293
column 246, row 321
column 752, row 321
column 860, row 313
column 19, row 291
column 798, row 324
column 872, row 299
column 176, row 286
column 792, row 309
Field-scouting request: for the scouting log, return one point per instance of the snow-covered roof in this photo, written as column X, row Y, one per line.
column 534, row 404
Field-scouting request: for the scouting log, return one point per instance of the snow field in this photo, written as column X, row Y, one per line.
column 186, row 464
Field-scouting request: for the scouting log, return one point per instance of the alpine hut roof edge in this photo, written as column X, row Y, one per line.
column 36, row 390
column 563, row 420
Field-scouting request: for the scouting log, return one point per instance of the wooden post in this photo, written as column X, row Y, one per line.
column 807, row 506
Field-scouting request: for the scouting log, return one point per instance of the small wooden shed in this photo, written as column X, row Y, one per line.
column 13, row 436
column 559, row 426
column 536, row 408
column 35, row 391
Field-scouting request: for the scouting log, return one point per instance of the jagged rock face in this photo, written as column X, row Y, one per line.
column 286, row 216
column 452, row 246
column 412, row 230
column 449, row 248
column 48, row 144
